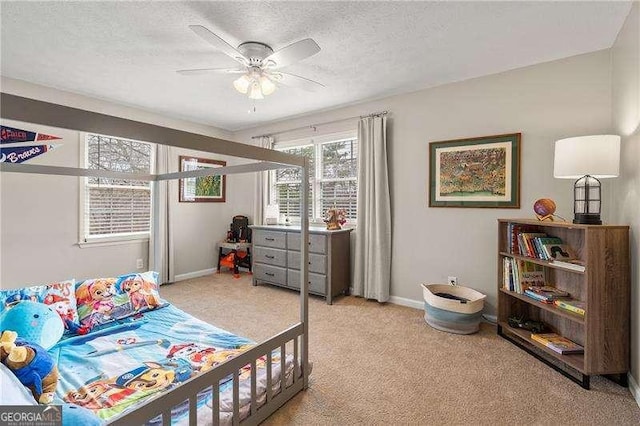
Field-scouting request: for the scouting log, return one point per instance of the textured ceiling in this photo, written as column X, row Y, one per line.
column 127, row 52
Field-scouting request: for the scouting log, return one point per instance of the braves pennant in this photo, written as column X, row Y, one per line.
column 15, row 146
column 19, row 154
column 11, row 135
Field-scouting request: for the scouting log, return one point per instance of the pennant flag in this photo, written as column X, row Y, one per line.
column 19, row 154
column 11, row 135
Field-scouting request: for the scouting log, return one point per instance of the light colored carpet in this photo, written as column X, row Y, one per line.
column 382, row 364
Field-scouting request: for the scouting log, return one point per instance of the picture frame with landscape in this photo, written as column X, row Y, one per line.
column 475, row 172
column 202, row 189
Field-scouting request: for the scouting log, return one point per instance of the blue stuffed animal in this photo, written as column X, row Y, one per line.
column 34, row 322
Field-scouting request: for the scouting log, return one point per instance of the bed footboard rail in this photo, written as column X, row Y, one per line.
column 287, row 342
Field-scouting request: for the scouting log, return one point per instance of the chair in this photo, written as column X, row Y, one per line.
column 235, row 251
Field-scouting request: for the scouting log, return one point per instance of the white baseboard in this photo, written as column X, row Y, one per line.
column 402, row 301
column 634, row 388
column 411, row 303
column 195, row 274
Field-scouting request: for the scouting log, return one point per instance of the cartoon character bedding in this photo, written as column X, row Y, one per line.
column 116, row 368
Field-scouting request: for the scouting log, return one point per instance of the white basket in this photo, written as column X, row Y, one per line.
column 451, row 315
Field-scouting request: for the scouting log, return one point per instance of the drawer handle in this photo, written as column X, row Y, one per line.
column 270, row 239
column 269, row 274
column 268, row 256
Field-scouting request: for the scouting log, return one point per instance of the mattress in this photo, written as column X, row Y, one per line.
column 118, row 368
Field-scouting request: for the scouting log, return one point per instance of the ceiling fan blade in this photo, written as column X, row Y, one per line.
column 201, row 71
column 299, row 82
column 219, row 43
column 293, row 53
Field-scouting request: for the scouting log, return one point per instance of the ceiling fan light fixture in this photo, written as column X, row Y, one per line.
column 267, row 85
column 256, row 91
column 242, row 84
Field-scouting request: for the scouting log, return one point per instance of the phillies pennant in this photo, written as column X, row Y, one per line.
column 19, row 154
column 12, row 135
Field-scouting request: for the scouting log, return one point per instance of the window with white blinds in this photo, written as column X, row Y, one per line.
column 117, row 208
column 332, row 178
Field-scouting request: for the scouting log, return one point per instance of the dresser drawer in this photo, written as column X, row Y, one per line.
column 317, row 242
column 270, row 256
column 317, row 282
column 317, row 262
column 269, row 238
column 272, row 274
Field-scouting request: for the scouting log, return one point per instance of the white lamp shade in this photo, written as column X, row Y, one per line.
column 255, row 92
column 267, row 85
column 242, row 84
column 597, row 155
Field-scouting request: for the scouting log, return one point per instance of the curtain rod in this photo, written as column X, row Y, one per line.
column 313, row 126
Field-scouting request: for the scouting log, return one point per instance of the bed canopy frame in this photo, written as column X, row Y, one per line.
column 296, row 337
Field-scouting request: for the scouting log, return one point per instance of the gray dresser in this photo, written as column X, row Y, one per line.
column 276, row 259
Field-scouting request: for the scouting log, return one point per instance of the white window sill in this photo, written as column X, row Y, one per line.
column 112, row 242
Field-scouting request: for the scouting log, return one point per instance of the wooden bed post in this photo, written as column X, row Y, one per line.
column 304, row 271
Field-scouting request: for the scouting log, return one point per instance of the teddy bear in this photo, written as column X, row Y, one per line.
column 31, row 364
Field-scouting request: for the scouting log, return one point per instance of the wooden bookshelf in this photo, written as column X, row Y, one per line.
column 544, row 263
column 546, row 306
column 604, row 286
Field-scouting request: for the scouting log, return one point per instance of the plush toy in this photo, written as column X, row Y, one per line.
column 74, row 415
column 34, row 322
column 31, row 364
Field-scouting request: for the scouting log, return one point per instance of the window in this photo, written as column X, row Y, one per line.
column 116, row 209
column 332, row 177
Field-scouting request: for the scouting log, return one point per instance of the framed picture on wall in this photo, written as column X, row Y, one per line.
column 475, row 172
column 202, row 189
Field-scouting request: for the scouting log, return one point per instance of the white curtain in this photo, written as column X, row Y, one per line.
column 262, row 187
column 372, row 269
column 161, row 257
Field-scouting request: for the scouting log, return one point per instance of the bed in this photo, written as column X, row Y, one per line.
column 244, row 387
column 114, row 371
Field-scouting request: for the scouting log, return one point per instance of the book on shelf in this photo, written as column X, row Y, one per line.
column 541, row 241
column 575, row 306
column 558, row 252
column 575, row 265
column 557, row 343
column 515, row 229
column 528, row 245
column 518, row 275
column 546, row 294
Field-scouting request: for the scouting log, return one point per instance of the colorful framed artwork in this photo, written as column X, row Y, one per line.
column 475, row 172
column 204, row 189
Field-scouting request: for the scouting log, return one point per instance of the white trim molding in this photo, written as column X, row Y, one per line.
column 411, row 303
column 401, row 301
column 634, row 388
column 195, row 274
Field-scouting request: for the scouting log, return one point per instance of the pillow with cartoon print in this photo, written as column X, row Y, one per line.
column 141, row 289
column 102, row 300
column 60, row 296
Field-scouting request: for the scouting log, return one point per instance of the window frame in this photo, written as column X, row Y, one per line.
column 85, row 240
column 316, row 179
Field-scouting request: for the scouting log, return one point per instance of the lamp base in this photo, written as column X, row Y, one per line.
column 587, row 219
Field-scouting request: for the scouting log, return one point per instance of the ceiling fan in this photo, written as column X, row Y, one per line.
column 260, row 65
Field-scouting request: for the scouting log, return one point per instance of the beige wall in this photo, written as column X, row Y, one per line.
column 197, row 227
column 545, row 102
column 39, row 214
column 626, row 121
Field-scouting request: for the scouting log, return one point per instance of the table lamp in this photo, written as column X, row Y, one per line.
column 587, row 158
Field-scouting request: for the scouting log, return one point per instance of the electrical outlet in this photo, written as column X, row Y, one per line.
column 139, row 264
column 452, row 280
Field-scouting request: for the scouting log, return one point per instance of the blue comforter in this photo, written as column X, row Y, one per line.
column 119, row 367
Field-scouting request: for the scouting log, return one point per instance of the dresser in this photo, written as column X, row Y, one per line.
column 276, row 259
